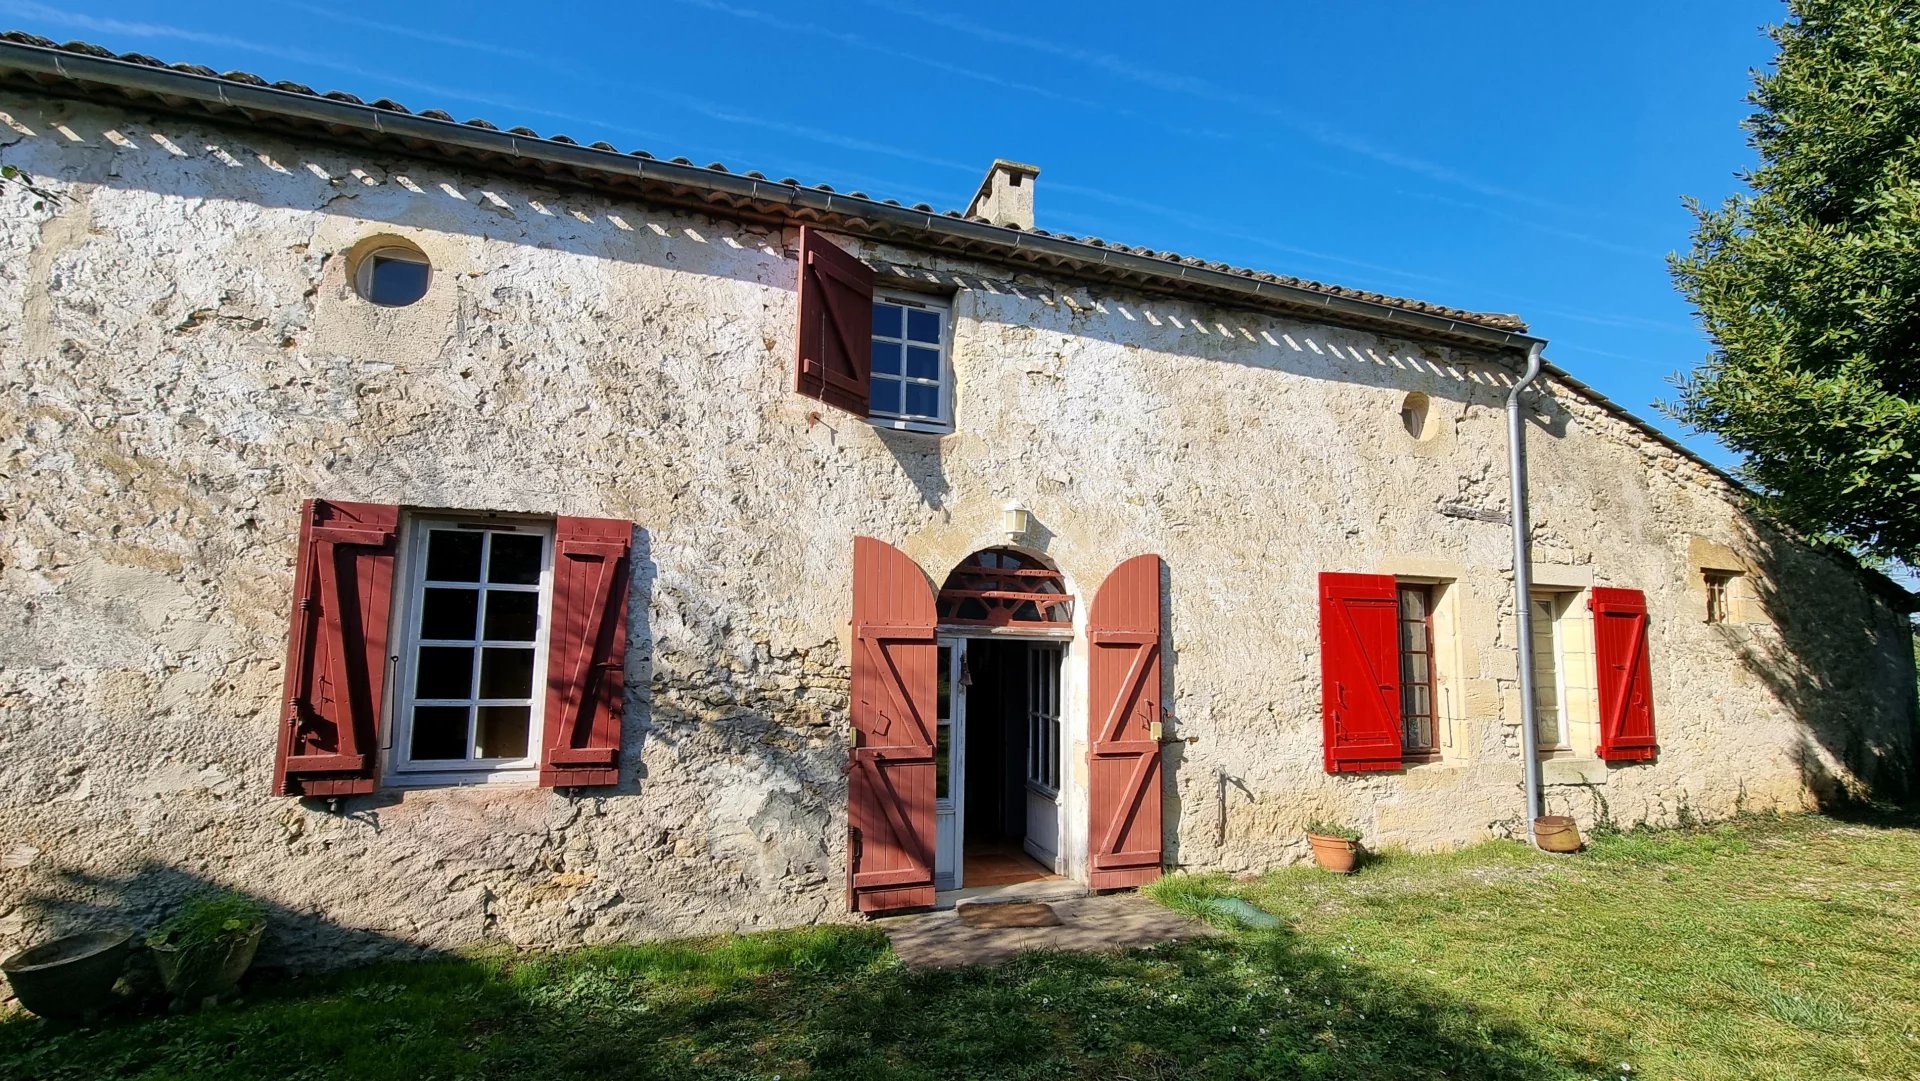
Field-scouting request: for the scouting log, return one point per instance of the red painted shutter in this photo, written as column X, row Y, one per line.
column 1124, row 706
column 890, row 818
column 337, row 649
column 1626, row 676
column 1359, row 672
column 836, row 325
column 586, row 652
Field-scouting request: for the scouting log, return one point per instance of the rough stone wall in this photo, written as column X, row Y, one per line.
column 183, row 360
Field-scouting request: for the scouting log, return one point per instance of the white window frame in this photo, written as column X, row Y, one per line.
column 401, row 767
column 944, row 310
column 1556, row 609
column 1044, row 718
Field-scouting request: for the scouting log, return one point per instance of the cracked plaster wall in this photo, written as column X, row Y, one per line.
column 183, row 360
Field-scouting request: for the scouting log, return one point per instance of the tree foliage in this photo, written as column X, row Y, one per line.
column 1809, row 283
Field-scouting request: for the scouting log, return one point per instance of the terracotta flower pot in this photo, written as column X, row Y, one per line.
column 71, row 977
column 1336, row 854
column 1556, row 833
column 196, row 973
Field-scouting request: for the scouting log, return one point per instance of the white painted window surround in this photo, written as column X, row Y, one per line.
column 472, row 658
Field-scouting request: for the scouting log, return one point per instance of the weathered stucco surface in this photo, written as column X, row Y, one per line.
column 183, row 360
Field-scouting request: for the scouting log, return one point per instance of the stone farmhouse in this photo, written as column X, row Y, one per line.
column 451, row 534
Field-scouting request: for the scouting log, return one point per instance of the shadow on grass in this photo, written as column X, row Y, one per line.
column 824, row 1002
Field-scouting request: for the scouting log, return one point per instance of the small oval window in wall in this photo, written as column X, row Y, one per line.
column 393, row 277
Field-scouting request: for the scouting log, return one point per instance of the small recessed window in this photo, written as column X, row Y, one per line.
column 1718, row 583
column 393, row 277
column 1413, row 414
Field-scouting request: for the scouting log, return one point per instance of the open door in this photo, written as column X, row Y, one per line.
column 890, row 785
column 1125, row 714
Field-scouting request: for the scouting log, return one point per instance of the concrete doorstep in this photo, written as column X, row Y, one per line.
column 1118, row 921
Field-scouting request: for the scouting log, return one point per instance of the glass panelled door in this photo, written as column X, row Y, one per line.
column 949, row 763
column 1043, row 753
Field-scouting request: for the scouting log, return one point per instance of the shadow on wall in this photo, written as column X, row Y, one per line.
column 829, row 1002
column 70, row 901
column 66, row 144
column 1842, row 663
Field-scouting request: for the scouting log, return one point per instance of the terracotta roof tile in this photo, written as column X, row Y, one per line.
column 1485, row 319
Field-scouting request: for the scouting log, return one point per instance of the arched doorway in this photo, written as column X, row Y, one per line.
column 917, row 658
column 1005, row 621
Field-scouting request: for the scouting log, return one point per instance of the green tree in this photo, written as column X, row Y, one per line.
column 1809, row 283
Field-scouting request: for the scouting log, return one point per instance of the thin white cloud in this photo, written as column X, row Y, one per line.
column 1221, row 229
column 1193, row 86
column 712, row 110
column 773, row 21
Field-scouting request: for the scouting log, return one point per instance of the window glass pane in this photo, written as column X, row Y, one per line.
column 445, row 672
column 453, row 555
column 1419, row 734
column 886, row 395
column 516, row 559
column 512, row 616
column 439, row 733
column 886, row 320
column 886, row 358
column 1413, row 636
column 923, row 363
column 942, row 761
column 396, row 281
column 922, row 325
column 1413, row 668
column 506, row 673
column 448, row 613
column 502, row 731
column 1413, row 602
column 943, row 709
column 922, row 400
column 1548, row 728
column 1422, row 699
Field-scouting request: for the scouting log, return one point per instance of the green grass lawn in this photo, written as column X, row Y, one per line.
column 1772, row 949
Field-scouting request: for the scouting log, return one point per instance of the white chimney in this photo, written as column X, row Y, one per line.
column 1006, row 195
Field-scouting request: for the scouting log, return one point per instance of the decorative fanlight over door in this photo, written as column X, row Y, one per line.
column 1000, row 587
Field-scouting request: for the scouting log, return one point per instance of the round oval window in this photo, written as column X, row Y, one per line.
column 393, row 277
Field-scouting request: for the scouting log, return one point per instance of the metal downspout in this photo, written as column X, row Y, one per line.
column 1523, row 584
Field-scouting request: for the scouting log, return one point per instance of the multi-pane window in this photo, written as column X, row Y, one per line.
column 1043, row 718
column 1418, row 735
column 475, row 647
column 1718, row 584
column 1549, row 695
column 909, row 383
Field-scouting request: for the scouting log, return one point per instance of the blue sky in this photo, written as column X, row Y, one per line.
column 1519, row 157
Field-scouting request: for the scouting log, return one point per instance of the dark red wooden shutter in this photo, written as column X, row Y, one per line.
column 586, row 652
column 1626, row 675
column 1359, row 672
column 836, row 325
column 337, row 649
column 1125, row 714
column 890, row 787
